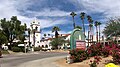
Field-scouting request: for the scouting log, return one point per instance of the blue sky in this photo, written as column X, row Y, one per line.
column 57, row 12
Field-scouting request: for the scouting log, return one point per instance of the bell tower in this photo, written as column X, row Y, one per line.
column 36, row 35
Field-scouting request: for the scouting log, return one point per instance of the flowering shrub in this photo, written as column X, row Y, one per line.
column 78, row 55
column 95, row 50
column 105, row 51
column 95, row 61
column 116, row 57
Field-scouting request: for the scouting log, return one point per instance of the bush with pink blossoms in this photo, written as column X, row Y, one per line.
column 78, row 55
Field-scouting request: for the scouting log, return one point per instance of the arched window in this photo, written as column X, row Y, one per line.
column 42, row 45
column 46, row 46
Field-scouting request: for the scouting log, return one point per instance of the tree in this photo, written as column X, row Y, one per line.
column 57, row 42
column 96, row 25
column 89, row 18
column 3, row 40
column 13, row 29
column 99, row 23
column 56, row 29
column 73, row 15
column 112, row 28
column 82, row 16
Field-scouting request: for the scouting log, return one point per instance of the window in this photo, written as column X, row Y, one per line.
column 37, row 41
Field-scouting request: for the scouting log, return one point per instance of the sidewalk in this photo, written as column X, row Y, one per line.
column 45, row 62
column 28, row 53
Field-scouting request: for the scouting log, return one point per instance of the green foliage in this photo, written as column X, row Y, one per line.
column 56, row 29
column 16, row 49
column 37, row 48
column 13, row 28
column 112, row 27
column 19, row 49
column 73, row 14
column 57, row 42
column 3, row 38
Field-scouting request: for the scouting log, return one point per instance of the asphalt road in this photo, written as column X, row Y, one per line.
column 15, row 60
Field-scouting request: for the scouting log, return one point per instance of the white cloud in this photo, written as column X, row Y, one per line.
column 110, row 8
column 7, row 9
column 50, row 22
column 49, row 12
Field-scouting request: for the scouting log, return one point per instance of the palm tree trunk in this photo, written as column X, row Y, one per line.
column 96, row 34
column 83, row 27
column 56, row 34
column 73, row 22
column 88, row 37
column 99, row 33
column 92, row 32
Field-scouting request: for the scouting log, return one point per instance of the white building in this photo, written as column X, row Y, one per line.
column 35, row 30
column 45, row 43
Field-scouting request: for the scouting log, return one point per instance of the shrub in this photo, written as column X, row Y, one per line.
column 116, row 55
column 95, row 61
column 95, row 49
column 78, row 55
column 22, row 49
column 37, row 48
column 105, row 51
column 16, row 49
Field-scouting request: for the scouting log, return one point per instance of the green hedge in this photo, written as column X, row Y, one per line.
column 16, row 49
column 37, row 48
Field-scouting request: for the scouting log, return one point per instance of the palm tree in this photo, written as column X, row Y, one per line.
column 82, row 16
column 56, row 29
column 73, row 15
column 99, row 23
column 91, row 35
column 96, row 25
column 90, row 28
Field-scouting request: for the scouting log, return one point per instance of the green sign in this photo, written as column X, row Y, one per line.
column 76, row 35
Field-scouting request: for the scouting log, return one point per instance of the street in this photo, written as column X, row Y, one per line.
column 15, row 60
